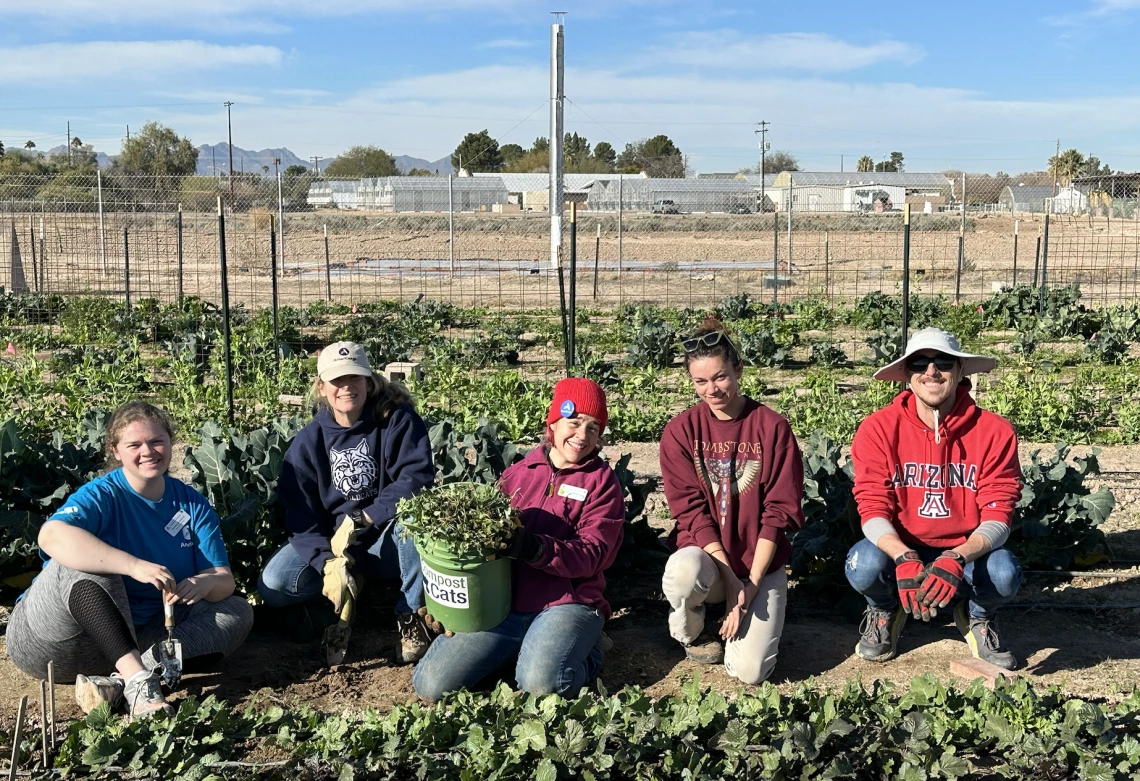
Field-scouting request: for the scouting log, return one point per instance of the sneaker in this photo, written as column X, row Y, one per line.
column 982, row 636
column 415, row 638
column 706, row 649
column 879, row 633
column 143, row 695
column 91, row 691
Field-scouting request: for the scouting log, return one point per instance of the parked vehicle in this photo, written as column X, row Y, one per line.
column 665, row 206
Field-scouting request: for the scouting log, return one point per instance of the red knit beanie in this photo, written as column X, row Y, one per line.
column 578, row 396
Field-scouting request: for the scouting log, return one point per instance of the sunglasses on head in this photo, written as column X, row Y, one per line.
column 919, row 363
column 704, row 340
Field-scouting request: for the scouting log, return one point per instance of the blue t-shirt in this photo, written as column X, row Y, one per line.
column 181, row 531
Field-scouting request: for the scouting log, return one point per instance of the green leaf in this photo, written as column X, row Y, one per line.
column 530, row 734
column 546, row 771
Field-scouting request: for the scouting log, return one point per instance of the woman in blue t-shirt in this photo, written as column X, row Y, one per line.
column 117, row 550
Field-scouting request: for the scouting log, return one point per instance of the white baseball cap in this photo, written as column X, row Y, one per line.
column 942, row 341
column 343, row 358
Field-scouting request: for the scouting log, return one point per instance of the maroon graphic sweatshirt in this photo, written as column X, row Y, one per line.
column 733, row 481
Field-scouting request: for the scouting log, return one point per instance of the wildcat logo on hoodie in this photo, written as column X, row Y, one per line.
column 354, row 471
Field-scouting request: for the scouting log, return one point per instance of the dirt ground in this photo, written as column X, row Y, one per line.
column 1089, row 653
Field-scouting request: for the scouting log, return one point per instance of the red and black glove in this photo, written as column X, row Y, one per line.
column 942, row 581
column 909, row 574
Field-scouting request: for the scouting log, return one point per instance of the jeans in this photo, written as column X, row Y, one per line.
column 990, row 581
column 557, row 651
column 289, row 580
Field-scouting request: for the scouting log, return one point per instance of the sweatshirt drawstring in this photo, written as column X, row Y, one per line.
column 937, row 436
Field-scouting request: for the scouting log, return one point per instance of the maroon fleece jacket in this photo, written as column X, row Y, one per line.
column 936, row 493
column 733, row 481
column 579, row 513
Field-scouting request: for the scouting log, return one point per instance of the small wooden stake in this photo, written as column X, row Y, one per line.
column 17, row 737
column 51, row 701
column 44, row 725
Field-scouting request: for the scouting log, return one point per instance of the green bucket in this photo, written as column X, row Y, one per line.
column 465, row 594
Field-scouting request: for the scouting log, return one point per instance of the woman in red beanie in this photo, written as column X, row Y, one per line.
column 572, row 514
column 734, row 481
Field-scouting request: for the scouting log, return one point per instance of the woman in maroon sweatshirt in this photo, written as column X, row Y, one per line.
column 734, row 482
column 572, row 514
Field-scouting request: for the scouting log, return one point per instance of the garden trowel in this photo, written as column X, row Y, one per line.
column 170, row 651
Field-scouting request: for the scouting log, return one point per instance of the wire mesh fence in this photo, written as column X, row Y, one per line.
column 485, row 240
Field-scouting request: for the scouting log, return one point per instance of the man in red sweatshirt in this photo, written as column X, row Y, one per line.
column 936, row 482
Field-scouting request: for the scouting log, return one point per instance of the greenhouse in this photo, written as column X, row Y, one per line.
column 674, row 196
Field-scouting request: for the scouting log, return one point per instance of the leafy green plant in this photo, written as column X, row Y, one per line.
column 885, row 347
column 827, row 354
column 761, row 347
column 652, row 344
column 1039, row 408
column 831, row 521
column 469, row 519
column 1058, row 518
column 1106, row 346
column 814, row 314
column 737, row 307
column 962, row 320
column 480, row 456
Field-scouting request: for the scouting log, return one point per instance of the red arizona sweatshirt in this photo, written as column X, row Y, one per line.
column 936, row 494
column 734, row 481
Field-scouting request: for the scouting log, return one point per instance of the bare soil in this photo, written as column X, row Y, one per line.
column 1089, row 653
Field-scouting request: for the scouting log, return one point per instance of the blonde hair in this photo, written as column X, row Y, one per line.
column 389, row 395
column 134, row 412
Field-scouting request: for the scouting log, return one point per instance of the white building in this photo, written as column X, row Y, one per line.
column 854, row 191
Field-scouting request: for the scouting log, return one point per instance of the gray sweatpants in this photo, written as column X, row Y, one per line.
column 42, row 628
column 692, row 579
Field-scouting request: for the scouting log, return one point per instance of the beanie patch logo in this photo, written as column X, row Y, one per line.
column 567, row 409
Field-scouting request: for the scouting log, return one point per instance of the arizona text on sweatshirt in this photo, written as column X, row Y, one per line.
column 936, row 493
column 331, row 470
column 733, row 481
column 579, row 513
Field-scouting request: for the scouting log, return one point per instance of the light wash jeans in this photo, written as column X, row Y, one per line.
column 557, row 651
column 991, row 581
column 289, row 580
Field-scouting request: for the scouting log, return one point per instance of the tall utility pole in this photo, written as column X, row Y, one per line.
column 556, row 97
column 128, row 132
column 763, row 131
column 69, row 147
column 316, row 164
column 276, row 162
column 1056, row 165
column 230, row 143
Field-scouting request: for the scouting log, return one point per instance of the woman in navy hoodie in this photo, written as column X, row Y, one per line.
column 364, row 451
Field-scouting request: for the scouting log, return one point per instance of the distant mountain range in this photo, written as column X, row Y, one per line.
column 441, row 166
column 215, row 158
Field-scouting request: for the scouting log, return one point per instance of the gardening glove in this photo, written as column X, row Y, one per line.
column 345, row 535
column 433, row 623
column 942, row 582
column 339, row 585
column 525, row 545
column 909, row 574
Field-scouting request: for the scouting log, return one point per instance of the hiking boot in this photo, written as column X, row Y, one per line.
column 706, row 649
column 143, row 695
column 605, row 643
column 879, row 633
column 982, row 636
column 91, row 691
column 415, row 637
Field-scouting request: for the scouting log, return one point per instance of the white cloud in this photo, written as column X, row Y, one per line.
column 783, row 51
column 506, row 43
column 77, row 62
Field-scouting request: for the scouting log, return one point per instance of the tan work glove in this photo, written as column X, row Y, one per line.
column 343, row 538
column 339, row 585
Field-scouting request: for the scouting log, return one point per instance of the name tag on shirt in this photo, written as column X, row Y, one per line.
column 573, row 492
column 180, row 519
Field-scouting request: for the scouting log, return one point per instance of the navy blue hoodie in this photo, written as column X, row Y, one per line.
column 331, row 470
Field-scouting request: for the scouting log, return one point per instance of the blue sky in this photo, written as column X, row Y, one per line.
column 980, row 86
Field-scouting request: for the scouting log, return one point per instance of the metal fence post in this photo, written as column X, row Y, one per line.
column 573, row 315
column 451, row 222
column 958, row 270
column 775, row 252
column 1044, row 259
column 273, row 292
column 127, row 269
column 905, row 326
column 791, row 199
column 1036, row 261
column 1016, row 224
column 621, row 208
column 597, row 252
column 35, row 264
column 328, row 267
column 180, row 265
column 225, row 313
column 102, row 234
column 827, row 265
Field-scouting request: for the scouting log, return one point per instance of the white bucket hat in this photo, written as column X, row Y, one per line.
column 943, row 342
column 342, row 358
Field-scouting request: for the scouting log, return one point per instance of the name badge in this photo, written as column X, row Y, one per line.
column 180, row 519
column 573, row 492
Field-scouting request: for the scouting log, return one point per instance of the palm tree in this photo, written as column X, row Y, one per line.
column 866, row 164
column 29, row 145
column 1066, row 165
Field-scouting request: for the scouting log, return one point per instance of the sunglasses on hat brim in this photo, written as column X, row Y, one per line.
column 705, row 340
column 918, row 364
